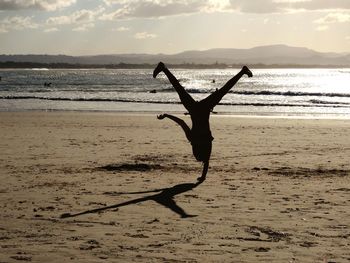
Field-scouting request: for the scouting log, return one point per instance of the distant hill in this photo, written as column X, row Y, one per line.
column 268, row 55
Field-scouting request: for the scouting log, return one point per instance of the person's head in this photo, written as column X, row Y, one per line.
column 202, row 150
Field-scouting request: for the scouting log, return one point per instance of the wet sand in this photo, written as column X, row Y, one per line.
column 107, row 187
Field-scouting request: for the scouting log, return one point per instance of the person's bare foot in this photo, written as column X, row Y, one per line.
column 158, row 69
column 247, row 71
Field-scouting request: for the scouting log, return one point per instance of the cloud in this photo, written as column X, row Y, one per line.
column 81, row 19
column 127, row 9
column 322, row 4
column 80, row 16
column 59, row 20
column 17, row 23
column 155, row 9
column 144, row 35
column 257, row 6
column 52, row 29
column 332, row 18
column 283, row 6
column 84, row 27
column 322, row 28
column 48, row 5
column 324, row 23
column 122, row 29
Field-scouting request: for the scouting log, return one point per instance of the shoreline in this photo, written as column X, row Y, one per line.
column 325, row 116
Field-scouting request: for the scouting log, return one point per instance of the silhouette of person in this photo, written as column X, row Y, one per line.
column 199, row 135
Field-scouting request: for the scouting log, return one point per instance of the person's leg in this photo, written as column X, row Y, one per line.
column 185, row 98
column 213, row 99
column 204, row 172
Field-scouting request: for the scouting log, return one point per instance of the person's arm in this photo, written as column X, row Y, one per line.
column 204, row 172
column 183, row 124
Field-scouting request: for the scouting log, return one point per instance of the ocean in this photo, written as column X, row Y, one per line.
column 271, row 92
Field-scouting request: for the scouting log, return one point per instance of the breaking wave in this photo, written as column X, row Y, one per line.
column 314, row 103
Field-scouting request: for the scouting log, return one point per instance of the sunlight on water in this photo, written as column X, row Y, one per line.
column 285, row 91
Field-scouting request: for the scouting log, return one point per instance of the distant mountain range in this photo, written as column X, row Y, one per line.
column 268, row 55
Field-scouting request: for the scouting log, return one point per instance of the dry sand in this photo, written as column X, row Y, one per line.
column 278, row 190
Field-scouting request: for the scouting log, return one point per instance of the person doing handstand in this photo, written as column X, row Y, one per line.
column 199, row 135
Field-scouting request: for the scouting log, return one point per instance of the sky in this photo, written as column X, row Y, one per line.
column 91, row 27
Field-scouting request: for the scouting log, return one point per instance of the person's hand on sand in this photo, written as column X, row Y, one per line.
column 161, row 116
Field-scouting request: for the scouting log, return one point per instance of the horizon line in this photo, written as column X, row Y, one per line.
column 168, row 54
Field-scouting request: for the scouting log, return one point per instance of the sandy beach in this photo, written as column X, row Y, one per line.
column 118, row 187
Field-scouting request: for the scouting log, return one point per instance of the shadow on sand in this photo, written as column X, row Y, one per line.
column 164, row 196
